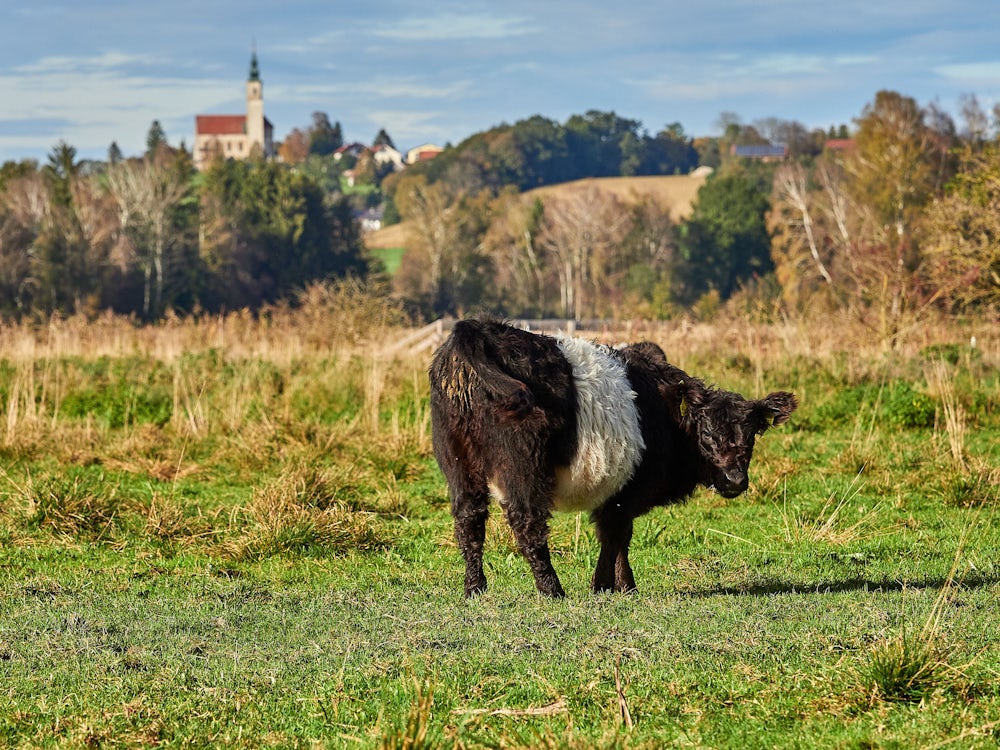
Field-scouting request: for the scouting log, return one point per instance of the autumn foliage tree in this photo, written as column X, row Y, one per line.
column 512, row 243
column 445, row 269
column 963, row 232
column 851, row 225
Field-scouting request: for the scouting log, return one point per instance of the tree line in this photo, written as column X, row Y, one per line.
column 898, row 215
column 149, row 234
column 901, row 216
column 538, row 151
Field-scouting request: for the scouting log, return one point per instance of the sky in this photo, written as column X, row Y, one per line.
column 93, row 72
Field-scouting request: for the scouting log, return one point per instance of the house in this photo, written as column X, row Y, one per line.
column 370, row 220
column 385, row 154
column 760, row 151
column 349, row 149
column 422, row 153
column 840, row 144
column 236, row 136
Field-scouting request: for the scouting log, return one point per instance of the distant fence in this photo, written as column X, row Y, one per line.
column 433, row 334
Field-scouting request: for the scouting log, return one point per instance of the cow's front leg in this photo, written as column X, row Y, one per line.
column 470, row 509
column 614, row 532
column 531, row 530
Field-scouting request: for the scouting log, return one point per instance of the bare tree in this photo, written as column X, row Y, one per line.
column 791, row 184
column 512, row 244
column 430, row 210
column 24, row 206
column 147, row 192
column 581, row 232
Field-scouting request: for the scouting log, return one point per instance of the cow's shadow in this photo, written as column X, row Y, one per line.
column 848, row 585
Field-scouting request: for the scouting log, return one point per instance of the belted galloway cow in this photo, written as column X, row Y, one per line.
column 544, row 424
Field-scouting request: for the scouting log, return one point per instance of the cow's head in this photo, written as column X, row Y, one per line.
column 724, row 426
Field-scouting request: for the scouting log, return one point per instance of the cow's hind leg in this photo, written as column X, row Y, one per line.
column 530, row 522
column 470, row 508
column 613, row 572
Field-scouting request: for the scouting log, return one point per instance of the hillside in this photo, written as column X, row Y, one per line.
column 678, row 192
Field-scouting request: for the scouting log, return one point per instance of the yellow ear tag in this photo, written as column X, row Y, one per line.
column 770, row 420
column 684, row 407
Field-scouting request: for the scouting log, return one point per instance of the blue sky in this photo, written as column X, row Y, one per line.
column 95, row 71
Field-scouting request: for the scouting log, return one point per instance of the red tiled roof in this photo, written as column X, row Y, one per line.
column 220, row 124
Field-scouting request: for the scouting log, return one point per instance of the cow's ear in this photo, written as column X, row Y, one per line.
column 691, row 395
column 775, row 409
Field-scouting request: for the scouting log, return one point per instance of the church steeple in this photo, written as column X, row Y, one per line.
column 255, row 129
column 254, row 68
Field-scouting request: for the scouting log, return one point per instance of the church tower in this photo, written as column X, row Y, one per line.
column 255, row 109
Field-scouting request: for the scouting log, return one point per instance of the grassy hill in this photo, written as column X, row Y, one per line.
column 676, row 192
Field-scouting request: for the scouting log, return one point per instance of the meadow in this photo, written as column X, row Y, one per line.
column 230, row 531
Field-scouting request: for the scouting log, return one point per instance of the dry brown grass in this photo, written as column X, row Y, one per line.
column 396, row 235
column 299, row 513
column 676, row 193
column 66, row 506
column 339, row 317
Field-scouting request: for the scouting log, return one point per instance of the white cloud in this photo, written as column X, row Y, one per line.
column 987, row 71
column 375, row 89
column 84, row 64
column 90, row 110
column 455, row 26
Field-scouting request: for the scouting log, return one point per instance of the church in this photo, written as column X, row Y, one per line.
column 236, row 136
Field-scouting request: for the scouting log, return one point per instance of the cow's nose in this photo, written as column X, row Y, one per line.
column 736, row 483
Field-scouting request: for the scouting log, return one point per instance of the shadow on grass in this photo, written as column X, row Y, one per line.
column 851, row 584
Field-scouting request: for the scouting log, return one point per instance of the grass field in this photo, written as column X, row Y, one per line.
column 231, row 532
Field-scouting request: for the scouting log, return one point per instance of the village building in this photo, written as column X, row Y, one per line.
column 349, row 149
column 765, row 152
column 386, row 154
column 236, row 136
column 422, row 153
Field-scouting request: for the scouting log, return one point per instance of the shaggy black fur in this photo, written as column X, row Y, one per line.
column 503, row 410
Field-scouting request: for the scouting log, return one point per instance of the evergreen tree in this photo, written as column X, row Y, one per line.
column 155, row 139
column 324, row 138
column 725, row 242
column 383, row 139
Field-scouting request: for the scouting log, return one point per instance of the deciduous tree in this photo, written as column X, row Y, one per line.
column 445, row 268
column 963, row 243
column 725, row 241
column 147, row 193
column 580, row 232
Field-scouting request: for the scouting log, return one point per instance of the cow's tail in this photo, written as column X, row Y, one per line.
column 473, row 344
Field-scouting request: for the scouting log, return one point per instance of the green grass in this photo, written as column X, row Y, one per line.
column 271, row 562
column 391, row 257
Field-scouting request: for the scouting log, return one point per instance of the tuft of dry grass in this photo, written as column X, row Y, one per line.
column 941, row 380
column 168, row 522
column 67, row 505
column 414, row 733
column 831, row 525
column 911, row 667
column 298, row 513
